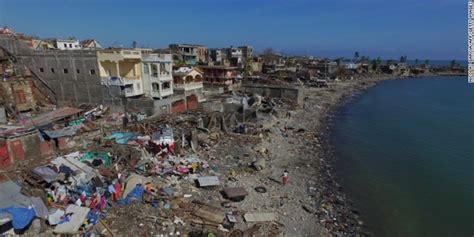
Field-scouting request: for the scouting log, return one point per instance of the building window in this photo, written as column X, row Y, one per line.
column 92, row 72
column 166, row 85
column 154, row 70
column 65, row 45
column 163, row 69
column 52, row 70
column 41, row 69
column 70, row 46
column 65, row 70
column 78, row 71
column 155, row 86
column 146, row 69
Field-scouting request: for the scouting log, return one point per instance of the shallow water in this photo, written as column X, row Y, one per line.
column 405, row 155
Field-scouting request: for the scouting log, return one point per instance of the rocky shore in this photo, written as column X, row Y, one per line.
column 332, row 209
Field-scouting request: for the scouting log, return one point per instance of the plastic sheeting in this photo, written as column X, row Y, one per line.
column 20, row 216
column 121, row 137
column 135, row 194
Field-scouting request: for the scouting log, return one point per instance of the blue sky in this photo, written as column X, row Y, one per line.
column 434, row 29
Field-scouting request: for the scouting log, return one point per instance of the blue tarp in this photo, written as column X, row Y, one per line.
column 21, row 217
column 135, row 194
column 121, row 137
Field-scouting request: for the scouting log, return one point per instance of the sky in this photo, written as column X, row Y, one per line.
column 422, row 29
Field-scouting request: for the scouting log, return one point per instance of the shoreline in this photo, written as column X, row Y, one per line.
column 346, row 209
column 349, row 215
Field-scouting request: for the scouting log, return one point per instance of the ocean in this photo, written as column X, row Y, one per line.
column 405, row 156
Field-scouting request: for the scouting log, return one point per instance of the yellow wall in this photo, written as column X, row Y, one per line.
column 105, row 67
column 130, row 69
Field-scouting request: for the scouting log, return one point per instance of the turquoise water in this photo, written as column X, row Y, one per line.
column 405, row 156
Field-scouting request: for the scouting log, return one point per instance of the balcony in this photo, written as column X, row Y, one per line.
column 162, row 93
column 155, row 77
column 130, row 80
column 133, row 89
column 188, row 86
column 111, row 81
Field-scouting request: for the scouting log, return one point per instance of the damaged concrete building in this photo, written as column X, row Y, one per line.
column 72, row 74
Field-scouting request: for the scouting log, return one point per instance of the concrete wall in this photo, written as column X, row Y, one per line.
column 292, row 93
column 72, row 74
column 143, row 105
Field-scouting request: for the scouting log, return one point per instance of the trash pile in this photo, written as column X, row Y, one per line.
column 155, row 176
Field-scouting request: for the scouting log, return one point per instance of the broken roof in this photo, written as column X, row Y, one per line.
column 63, row 132
column 46, row 118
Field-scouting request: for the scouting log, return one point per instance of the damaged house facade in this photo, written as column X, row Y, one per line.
column 73, row 75
column 122, row 67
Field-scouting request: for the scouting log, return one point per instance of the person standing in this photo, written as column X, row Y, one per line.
column 284, row 177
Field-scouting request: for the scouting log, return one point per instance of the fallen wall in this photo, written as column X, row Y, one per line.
column 292, row 93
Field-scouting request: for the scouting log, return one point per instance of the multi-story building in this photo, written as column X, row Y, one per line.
column 122, row 67
column 216, row 56
column 247, row 52
column 220, row 76
column 201, row 52
column 184, row 53
column 188, row 81
column 235, row 56
column 71, row 74
column 157, row 78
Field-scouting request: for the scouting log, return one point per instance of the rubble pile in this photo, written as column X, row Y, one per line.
column 173, row 175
